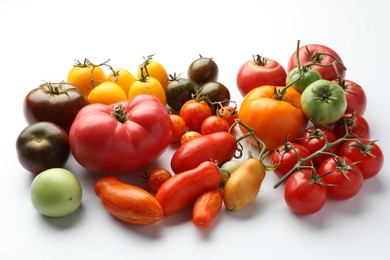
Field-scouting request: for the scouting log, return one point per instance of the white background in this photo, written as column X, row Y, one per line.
column 40, row 41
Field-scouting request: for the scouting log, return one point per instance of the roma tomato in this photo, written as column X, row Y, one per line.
column 194, row 113
column 343, row 177
column 355, row 95
column 183, row 188
column 213, row 124
column 217, row 147
column 207, row 207
column 273, row 118
column 127, row 202
column 122, row 77
column 286, row 156
column 301, row 78
column 323, row 102
column 320, row 58
column 58, row 103
column 356, row 125
column 179, row 91
column 243, row 185
column 86, row 76
column 303, row 195
column 151, row 68
column 202, row 70
column 366, row 153
column 258, row 72
column 120, row 138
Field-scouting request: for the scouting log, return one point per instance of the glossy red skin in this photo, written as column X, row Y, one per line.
column 370, row 158
column 288, row 158
column 303, row 197
column 217, row 147
column 42, row 104
column 344, row 188
column 213, row 124
column 252, row 75
column 102, row 144
column 183, row 188
column 357, row 126
column 305, row 54
column 355, row 95
column 314, row 142
column 194, row 113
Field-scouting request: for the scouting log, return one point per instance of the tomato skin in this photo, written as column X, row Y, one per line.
column 181, row 189
column 58, row 103
column 127, row 202
column 213, row 124
column 122, row 77
column 86, row 76
column 260, row 71
column 355, row 95
column 207, row 207
column 286, row 156
column 229, row 113
column 189, row 135
column 204, row 148
column 357, row 126
column 307, row 54
column 108, row 93
column 345, row 182
column 271, row 119
column 150, row 86
column 308, row 76
column 203, row 70
column 42, row 145
column 213, row 91
column 154, row 69
column 144, row 134
column 179, row 91
column 194, row 113
column 179, row 128
column 243, row 185
column 367, row 153
column 156, row 177
column 303, row 196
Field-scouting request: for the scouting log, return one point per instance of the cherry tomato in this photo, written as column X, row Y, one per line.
column 357, row 126
column 258, row 72
column 367, row 153
column 343, row 177
column 303, row 195
column 122, row 77
column 153, row 69
column 107, row 93
column 355, row 95
column 189, row 135
column 179, row 128
column 203, row 70
column 194, row 113
column 207, row 207
column 156, row 177
column 285, row 157
column 213, row 92
column 301, row 79
column 179, row 91
column 213, row 124
column 229, row 113
column 148, row 85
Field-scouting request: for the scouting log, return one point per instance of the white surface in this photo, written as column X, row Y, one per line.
column 41, row 39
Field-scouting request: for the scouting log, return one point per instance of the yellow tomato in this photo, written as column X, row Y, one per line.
column 107, row 93
column 154, row 69
column 86, row 76
column 122, row 77
column 148, row 85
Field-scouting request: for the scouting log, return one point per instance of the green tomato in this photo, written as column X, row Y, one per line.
column 303, row 79
column 323, row 102
column 56, row 192
column 228, row 168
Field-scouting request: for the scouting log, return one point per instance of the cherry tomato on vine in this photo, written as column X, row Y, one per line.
column 367, row 153
column 153, row 69
column 179, row 127
column 194, row 113
column 213, row 124
column 356, row 125
column 229, row 113
column 148, row 85
column 203, row 70
column 122, row 77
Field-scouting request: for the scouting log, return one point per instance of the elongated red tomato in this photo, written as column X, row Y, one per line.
column 217, row 147
column 207, row 206
column 181, row 189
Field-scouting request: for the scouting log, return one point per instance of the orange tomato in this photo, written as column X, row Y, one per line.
column 154, row 69
column 271, row 119
column 179, row 127
column 122, row 77
column 148, row 85
column 86, row 76
column 107, row 93
column 207, row 207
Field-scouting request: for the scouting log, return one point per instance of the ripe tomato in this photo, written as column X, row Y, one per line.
column 207, row 207
column 187, row 136
column 148, row 85
column 194, row 113
column 286, row 156
column 303, row 195
column 179, row 91
column 156, row 177
column 179, row 127
column 343, row 177
column 258, row 72
column 271, row 119
column 213, row 92
column 314, row 138
column 367, row 153
column 153, row 69
column 357, row 126
column 107, row 92
column 213, row 124
column 203, row 70
column 355, row 95
column 321, row 57
column 229, row 113
column 122, row 77
column 86, row 76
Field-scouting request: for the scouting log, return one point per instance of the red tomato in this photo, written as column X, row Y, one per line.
column 314, row 138
column 357, row 126
column 179, row 127
column 229, row 113
column 120, row 138
column 355, row 95
column 213, row 124
column 303, row 195
column 343, row 177
column 367, row 153
column 258, row 72
column 286, row 156
column 194, row 113
column 321, row 55
column 156, row 177
column 207, row 207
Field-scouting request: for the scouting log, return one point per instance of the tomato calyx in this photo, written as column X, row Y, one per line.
column 260, row 60
column 364, row 147
column 55, row 89
column 342, row 166
column 119, row 113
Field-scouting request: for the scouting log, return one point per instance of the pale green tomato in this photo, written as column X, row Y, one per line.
column 303, row 79
column 228, row 168
column 56, row 192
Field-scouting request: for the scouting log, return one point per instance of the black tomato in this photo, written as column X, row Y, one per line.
column 179, row 91
column 54, row 102
column 214, row 92
column 203, row 70
column 41, row 146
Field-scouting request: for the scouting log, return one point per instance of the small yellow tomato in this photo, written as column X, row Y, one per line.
column 154, row 69
column 107, row 93
column 122, row 77
column 148, row 85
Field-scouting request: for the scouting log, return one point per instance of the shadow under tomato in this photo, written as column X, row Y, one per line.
column 67, row 222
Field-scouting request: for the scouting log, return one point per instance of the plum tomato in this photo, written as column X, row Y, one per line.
column 355, row 95
column 367, row 153
column 41, row 146
column 179, row 91
column 214, row 124
column 342, row 177
column 356, row 125
column 194, row 113
column 58, row 103
column 203, row 70
column 179, row 127
column 301, row 78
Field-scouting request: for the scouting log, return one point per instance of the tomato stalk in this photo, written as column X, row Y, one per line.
column 119, row 113
column 88, row 63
